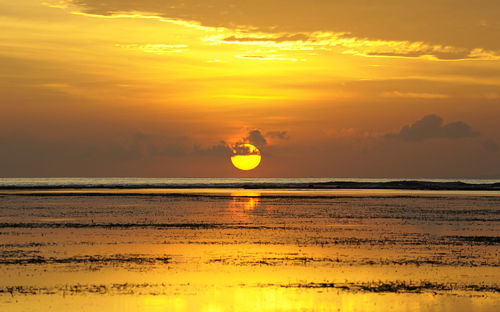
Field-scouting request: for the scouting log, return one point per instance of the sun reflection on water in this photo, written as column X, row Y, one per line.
column 246, row 201
column 244, row 204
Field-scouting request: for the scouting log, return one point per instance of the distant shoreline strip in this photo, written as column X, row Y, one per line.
column 334, row 185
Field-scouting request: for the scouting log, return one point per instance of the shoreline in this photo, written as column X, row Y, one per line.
column 334, row 185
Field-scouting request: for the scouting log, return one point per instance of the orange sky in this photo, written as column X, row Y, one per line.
column 324, row 88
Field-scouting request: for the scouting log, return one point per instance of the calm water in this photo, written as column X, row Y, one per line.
column 249, row 250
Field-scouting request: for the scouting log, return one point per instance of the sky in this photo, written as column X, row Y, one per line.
column 157, row 88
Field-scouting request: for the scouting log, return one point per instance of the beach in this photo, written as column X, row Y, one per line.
column 235, row 249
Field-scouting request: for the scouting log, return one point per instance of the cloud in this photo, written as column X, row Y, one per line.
column 244, row 149
column 222, row 149
column 78, row 155
column 414, row 95
column 145, row 145
column 323, row 27
column 491, row 146
column 256, row 138
column 282, row 135
column 281, row 38
column 409, row 49
column 350, row 44
column 267, row 58
column 154, row 48
column 430, row 127
column 433, row 22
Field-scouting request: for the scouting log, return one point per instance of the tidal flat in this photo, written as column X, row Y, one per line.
column 249, row 251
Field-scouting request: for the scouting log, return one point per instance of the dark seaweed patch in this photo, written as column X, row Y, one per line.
column 276, row 261
column 101, row 260
column 397, row 287
column 26, row 245
column 193, row 226
column 488, row 240
column 161, row 289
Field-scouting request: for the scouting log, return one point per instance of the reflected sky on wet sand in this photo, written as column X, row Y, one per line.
column 247, row 252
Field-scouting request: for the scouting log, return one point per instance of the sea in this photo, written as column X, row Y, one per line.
column 259, row 244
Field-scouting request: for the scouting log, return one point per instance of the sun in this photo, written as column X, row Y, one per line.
column 245, row 156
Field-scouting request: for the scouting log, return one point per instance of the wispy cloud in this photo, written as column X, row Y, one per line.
column 414, row 95
column 56, row 4
column 155, row 48
column 352, row 45
column 268, row 58
column 146, row 15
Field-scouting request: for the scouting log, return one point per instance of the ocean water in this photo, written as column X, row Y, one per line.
column 246, row 245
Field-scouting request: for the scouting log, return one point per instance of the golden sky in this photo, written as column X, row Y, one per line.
column 323, row 88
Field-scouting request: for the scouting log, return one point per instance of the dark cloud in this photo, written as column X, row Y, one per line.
column 144, row 145
column 256, row 138
column 491, row 146
column 220, row 150
column 282, row 135
column 244, row 149
column 224, row 149
column 24, row 156
column 430, row 127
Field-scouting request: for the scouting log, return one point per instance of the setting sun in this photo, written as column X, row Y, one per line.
column 246, row 157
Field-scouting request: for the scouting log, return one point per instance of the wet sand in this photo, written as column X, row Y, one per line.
column 250, row 251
